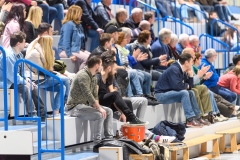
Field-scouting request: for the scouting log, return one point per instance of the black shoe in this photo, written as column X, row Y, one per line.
column 234, row 18
column 137, row 121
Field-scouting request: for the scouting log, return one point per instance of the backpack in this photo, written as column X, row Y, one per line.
column 59, row 66
column 122, row 80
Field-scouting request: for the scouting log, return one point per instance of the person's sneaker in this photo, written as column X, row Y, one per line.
column 136, row 121
column 223, row 118
column 234, row 18
column 209, row 118
column 218, row 119
column 204, row 122
column 166, row 139
column 55, row 32
column 194, row 124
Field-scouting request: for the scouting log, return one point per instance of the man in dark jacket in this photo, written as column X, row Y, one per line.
column 215, row 28
column 103, row 13
column 144, row 25
column 150, row 17
column 175, row 84
column 133, row 21
column 105, row 44
column 121, row 16
column 89, row 24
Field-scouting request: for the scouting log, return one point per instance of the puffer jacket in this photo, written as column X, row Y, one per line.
column 102, row 16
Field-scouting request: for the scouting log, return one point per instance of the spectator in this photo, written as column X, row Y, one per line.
column 207, row 5
column 143, row 25
column 165, row 8
column 42, row 55
column 105, row 44
column 91, row 28
column 183, row 42
column 150, row 17
column 173, row 53
column 211, row 83
column 236, row 62
column 32, row 23
column 72, row 38
column 103, row 13
column 15, row 22
column 160, row 47
column 196, row 9
column 136, row 17
column 174, row 86
column 194, row 43
column 5, row 9
column 13, row 53
column 231, row 37
column 213, row 27
column 108, row 95
column 83, row 100
column 119, row 20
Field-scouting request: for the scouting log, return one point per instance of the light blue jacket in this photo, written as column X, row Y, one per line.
column 71, row 39
column 11, row 58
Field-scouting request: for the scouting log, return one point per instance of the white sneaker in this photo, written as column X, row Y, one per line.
column 218, row 119
column 223, row 118
column 166, row 139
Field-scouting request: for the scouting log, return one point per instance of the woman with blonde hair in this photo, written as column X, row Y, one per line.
column 32, row 22
column 72, row 38
column 42, row 54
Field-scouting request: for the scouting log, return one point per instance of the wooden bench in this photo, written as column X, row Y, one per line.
column 196, row 141
column 142, row 157
column 233, row 140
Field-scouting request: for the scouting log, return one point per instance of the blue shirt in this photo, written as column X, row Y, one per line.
column 11, row 58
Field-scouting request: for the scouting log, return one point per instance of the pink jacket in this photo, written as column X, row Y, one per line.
column 230, row 81
column 10, row 28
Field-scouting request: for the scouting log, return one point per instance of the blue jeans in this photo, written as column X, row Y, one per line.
column 182, row 96
column 53, row 85
column 223, row 12
column 134, row 82
column 60, row 15
column 225, row 93
column 163, row 8
column 95, row 39
column 214, row 104
column 145, row 81
column 49, row 13
column 238, row 100
column 184, row 12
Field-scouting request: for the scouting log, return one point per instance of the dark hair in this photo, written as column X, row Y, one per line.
column 93, row 60
column 143, row 36
column 184, row 57
column 108, row 58
column 105, row 37
column 17, row 13
column 148, row 15
column 212, row 12
column 236, row 59
column 16, row 37
column 43, row 27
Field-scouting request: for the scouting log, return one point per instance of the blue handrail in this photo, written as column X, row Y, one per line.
column 227, row 25
column 40, row 150
column 147, row 5
column 5, row 94
column 176, row 20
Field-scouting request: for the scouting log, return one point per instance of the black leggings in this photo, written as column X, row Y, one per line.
column 125, row 106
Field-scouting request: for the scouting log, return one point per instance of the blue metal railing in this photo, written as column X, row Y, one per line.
column 193, row 9
column 16, row 108
column 227, row 26
column 5, row 94
column 175, row 24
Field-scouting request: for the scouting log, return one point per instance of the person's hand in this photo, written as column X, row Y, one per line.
column 190, row 72
column 44, row 2
column 203, row 70
column 73, row 58
column 136, row 53
column 29, row 85
column 163, row 63
column 123, row 118
column 162, row 57
column 142, row 56
column 7, row 6
column 208, row 75
column 103, row 112
column 223, row 2
column 99, row 30
column 199, row 49
column 34, row 3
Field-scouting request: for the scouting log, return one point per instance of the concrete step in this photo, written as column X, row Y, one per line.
column 46, row 145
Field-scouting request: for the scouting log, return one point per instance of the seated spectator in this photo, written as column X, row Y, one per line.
column 194, row 43
column 109, row 96
column 42, row 54
column 13, row 53
column 89, row 24
column 206, row 5
column 136, row 17
column 165, row 8
column 103, row 13
column 211, row 83
column 213, row 28
column 105, row 44
column 15, row 22
column 236, row 62
column 72, row 38
column 32, row 23
column 183, row 42
column 174, row 86
column 135, row 60
column 5, row 9
column 83, row 100
column 231, row 37
column 143, row 25
column 119, row 20
column 160, row 47
column 150, row 17
column 173, row 53
column 196, row 9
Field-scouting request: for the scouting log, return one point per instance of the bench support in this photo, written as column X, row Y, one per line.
column 142, row 157
column 234, row 146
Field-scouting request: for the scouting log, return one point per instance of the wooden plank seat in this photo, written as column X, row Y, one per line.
column 142, row 157
column 233, row 140
column 202, row 140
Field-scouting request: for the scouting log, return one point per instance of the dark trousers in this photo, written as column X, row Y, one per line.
column 112, row 98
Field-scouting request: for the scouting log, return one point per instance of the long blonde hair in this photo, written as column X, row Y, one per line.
column 73, row 14
column 35, row 16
